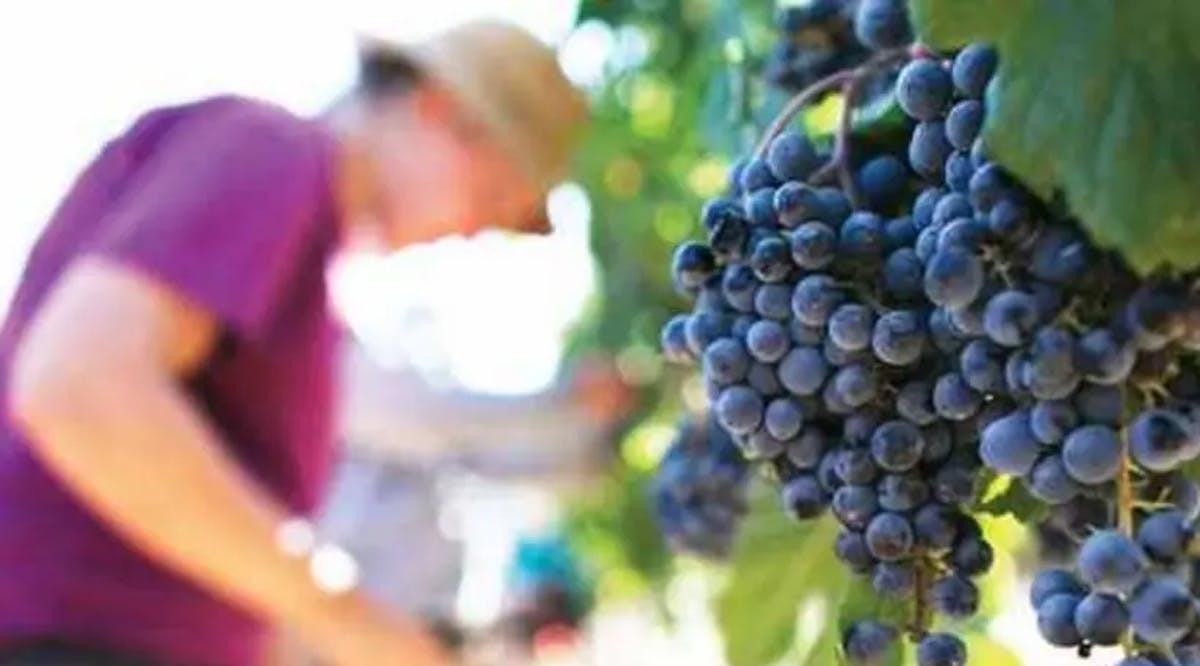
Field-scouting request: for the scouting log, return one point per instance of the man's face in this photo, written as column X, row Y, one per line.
column 438, row 174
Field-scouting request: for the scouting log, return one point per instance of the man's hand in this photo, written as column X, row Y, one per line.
column 597, row 386
column 95, row 385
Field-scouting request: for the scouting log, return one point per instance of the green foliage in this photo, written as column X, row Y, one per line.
column 614, row 530
column 788, row 599
column 1095, row 99
column 779, row 567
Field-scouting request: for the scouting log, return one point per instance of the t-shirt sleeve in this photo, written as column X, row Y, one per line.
column 224, row 212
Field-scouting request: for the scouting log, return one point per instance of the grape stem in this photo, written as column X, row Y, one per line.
column 797, row 103
column 1125, row 505
column 844, row 79
column 922, row 613
column 852, row 91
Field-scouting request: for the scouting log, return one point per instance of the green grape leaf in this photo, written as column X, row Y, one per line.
column 778, row 564
column 1006, row 495
column 1094, row 101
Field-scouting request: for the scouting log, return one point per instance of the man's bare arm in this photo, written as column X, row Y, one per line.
column 95, row 384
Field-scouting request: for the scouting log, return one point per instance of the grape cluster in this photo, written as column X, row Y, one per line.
column 1088, row 367
column 699, row 489
column 826, row 36
column 877, row 343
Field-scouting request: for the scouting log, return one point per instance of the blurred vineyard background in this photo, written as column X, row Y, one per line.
column 673, row 83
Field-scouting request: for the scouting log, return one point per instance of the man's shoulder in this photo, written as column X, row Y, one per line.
column 248, row 114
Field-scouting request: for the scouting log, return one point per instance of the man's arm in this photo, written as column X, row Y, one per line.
column 95, row 384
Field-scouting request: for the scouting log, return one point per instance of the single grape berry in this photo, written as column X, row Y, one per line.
column 972, row 557
column 1111, row 562
column 882, row 182
column 760, row 208
column 1160, row 439
column 768, row 341
column 791, row 156
column 773, row 301
column 1050, row 582
column 903, row 274
column 1166, row 535
column 953, row 277
column 756, row 175
column 1050, row 482
column 814, row 245
column 954, row 399
column 771, row 259
column 861, row 236
column 914, row 402
column 856, row 384
column 856, row 467
column 894, row 579
column 958, row 172
column 866, row 642
column 982, row 366
column 882, row 24
column 1103, row 358
column 674, row 340
column 802, row 371
column 726, row 361
column 889, row 537
column 929, row 148
column 1011, row 317
column 1162, row 610
column 963, row 124
column 955, row 596
column 855, row 506
column 1092, row 454
column 703, row 328
column 850, row 326
column 941, row 649
column 1052, row 420
column 740, row 409
column 783, row 419
column 972, row 69
column 763, row 377
column 1101, row 619
column 1056, row 620
column 924, row 89
column 1008, row 445
column 902, row 492
column 898, row 232
column 936, row 526
column 693, row 264
column 806, row 450
column 850, row 547
column 898, row 337
column 738, row 285
column 804, row 497
column 814, row 299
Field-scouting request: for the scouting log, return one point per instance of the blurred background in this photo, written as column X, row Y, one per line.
column 495, row 472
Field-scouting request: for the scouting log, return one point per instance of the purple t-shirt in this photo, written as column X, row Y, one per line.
column 229, row 202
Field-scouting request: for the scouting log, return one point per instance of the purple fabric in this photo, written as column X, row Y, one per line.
column 228, row 201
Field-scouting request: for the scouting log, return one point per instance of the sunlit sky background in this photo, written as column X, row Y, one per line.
column 488, row 314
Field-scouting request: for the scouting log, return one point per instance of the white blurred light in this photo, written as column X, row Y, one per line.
column 333, row 570
column 584, row 55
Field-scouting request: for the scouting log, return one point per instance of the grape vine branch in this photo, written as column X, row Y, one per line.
column 851, row 81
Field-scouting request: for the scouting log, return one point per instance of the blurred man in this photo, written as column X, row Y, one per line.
column 167, row 361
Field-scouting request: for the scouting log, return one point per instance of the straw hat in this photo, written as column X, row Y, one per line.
column 511, row 83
